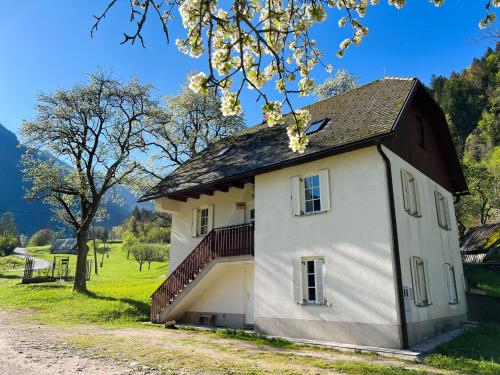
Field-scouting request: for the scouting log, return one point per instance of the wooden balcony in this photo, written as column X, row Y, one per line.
column 236, row 240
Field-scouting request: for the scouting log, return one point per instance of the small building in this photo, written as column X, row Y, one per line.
column 481, row 243
column 354, row 240
column 64, row 246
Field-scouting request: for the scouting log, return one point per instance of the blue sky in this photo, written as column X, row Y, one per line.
column 45, row 45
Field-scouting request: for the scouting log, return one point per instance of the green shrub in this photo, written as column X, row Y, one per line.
column 8, row 244
column 148, row 252
column 42, row 237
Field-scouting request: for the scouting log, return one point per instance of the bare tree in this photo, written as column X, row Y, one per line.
column 188, row 123
column 98, row 130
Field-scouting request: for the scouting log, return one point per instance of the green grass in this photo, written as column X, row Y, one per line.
column 119, row 294
column 243, row 335
column 10, row 262
column 484, row 279
column 477, row 351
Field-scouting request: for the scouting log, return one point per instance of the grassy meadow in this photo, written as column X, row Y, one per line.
column 482, row 278
column 119, row 294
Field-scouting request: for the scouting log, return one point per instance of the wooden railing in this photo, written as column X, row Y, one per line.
column 220, row 242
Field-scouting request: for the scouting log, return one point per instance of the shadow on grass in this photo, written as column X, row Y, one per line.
column 139, row 309
column 5, row 276
column 46, row 286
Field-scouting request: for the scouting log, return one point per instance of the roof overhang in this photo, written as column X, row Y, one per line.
column 238, row 181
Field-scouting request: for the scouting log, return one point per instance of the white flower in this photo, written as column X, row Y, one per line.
column 342, row 22
column 306, row 84
column 273, row 113
column 329, row 68
column 198, row 83
column 230, row 104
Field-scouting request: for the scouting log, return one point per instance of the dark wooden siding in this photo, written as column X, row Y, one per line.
column 406, row 144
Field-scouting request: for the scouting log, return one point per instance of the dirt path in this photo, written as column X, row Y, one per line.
column 27, row 349
column 40, row 264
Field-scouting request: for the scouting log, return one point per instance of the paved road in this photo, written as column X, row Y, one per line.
column 40, row 264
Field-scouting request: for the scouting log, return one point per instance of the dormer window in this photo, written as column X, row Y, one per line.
column 223, row 151
column 316, row 126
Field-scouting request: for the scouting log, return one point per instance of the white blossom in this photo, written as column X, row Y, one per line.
column 230, row 104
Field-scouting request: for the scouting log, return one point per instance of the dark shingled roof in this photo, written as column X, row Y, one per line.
column 366, row 113
column 477, row 237
column 64, row 246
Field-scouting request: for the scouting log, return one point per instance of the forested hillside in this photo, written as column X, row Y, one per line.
column 471, row 101
column 33, row 215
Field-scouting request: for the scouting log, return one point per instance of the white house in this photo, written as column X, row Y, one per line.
column 353, row 241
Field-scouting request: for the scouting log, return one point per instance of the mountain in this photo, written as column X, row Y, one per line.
column 33, row 215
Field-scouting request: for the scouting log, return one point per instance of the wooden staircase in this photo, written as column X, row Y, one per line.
column 236, row 240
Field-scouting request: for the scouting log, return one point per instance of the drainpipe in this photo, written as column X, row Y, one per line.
column 395, row 246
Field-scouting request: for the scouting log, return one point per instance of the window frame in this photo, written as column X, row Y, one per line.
column 419, row 276
column 313, row 199
column 223, row 151
column 411, row 198
column 421, row 133
column 449, row 275
column 305, row 284
column 442, row 210
column 322, row 123
column 202, row 233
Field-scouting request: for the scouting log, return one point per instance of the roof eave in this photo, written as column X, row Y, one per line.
column 280, row 165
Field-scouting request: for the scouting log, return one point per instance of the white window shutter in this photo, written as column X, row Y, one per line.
column 210, row 218
column 194, row 222
column 295, row 197
column 414, row 277
column 451, row 282
column 319, row 275
column 438, row 208
column 417, row 197
column 406, row 192
column 324, row 187
column 297, row 281
column 427, row 282
column 447, row 213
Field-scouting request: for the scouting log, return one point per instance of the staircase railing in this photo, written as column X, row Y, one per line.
column 219, row 242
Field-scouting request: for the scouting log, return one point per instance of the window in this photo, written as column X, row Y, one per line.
column 420, row 281
column 410, row 193
column 443, row 215
column 421, row 133
column 223, row 151
column 310, row 194
column 202, row 221
column 252, row 215
column 316, row 126
column 449, row 273
column 309, row 281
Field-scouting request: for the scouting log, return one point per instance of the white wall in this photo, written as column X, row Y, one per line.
column 225, row 213
column 423, row 237
column 354, row 237
column 227, row 293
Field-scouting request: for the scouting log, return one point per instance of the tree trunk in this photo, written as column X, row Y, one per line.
column 140, row 267
column 80, row 284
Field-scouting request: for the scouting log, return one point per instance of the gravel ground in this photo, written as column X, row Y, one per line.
column 28, row 348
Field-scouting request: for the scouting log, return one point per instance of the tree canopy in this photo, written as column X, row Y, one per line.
column 333, row 86
column 99, row 131
column 189, row 122
column 471, row 101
